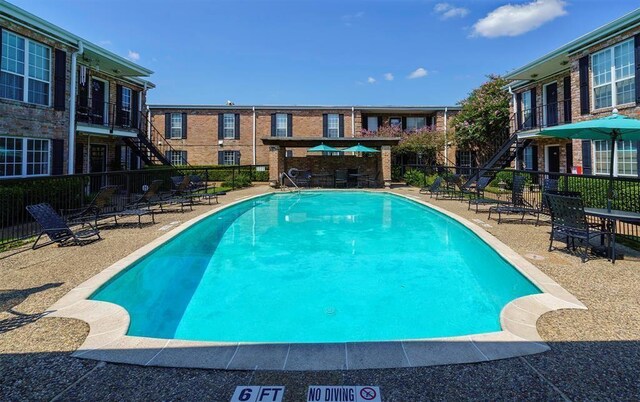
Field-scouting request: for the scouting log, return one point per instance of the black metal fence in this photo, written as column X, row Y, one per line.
column 75, row 191
column 593, row 189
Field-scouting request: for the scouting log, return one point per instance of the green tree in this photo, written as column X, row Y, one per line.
column 483, row 122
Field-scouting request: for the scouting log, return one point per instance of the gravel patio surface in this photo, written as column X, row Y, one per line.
column 594, row 354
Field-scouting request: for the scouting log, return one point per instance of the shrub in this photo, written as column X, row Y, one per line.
column 417, row 178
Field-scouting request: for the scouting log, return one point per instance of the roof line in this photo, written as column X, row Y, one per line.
column 265, row 106
column 607, row 29
column 25, row 18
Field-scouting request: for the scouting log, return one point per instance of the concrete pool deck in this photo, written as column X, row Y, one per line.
column 35, row 351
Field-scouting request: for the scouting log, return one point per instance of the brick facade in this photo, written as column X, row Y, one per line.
column 202, row 143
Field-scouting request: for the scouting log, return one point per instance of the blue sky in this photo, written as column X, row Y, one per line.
column 326, row 52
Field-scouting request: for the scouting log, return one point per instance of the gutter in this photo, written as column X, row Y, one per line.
column 446, row 143
column 71, row 160
column 353, row 121
column 254, row 134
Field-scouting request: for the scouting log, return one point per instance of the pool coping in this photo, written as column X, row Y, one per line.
column 108, row 324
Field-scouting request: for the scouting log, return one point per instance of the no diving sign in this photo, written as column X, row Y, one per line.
column 323, row 393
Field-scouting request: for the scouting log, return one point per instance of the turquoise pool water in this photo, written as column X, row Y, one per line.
column 318, row 267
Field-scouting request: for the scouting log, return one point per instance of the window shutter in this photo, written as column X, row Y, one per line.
column 119, row 115
column 220, row 126
column 168, row 156
column 586, row 156
column 567, row 99
column 325, row 125
column 220, row 157
column 59, row 80
column 365, row 121
column 534, row 108
column 568, row 149
column 236, row 157
column 341, row 125
column 57, row 157
column 273, row 124
column 519, row 110
column 117, row 157
column 636, row 45
column 583, row 70
column 404, row 123
column 289, row 125
column 237, row 126
column 167, row 125
column 135, row 113
column 534, row 156
column 184, row 125
column 79, row 158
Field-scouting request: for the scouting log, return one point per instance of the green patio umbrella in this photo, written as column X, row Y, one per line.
column 323, row 148
column 614, row 128
column 360, row 148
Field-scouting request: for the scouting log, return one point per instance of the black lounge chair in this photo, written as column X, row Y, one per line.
column 518, row 204
column 374, row 182
column 153, row 197
column 453, row 189
column 476, row 195
column 433, row 188
column 341, row 177
column 57, row 229
column 569, row 220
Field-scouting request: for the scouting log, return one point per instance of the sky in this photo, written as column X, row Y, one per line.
column 326, row 52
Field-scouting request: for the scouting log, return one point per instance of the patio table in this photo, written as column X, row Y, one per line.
column 359, row 177
column 613, row 217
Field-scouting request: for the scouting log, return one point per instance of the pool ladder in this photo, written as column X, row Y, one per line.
column 284, row 187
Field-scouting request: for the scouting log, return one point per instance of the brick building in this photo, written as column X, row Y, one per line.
column 66, row 104
column 584, row 79
column 216, row 134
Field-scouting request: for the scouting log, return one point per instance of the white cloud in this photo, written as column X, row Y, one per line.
column 133, row 56
column 514, row 20
column 388, row 77
column 418, row 73
column 349, row 19
column 447, row 11
column 371, row 80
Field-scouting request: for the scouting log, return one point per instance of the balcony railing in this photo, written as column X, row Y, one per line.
column 547, row 115
column 105, row 114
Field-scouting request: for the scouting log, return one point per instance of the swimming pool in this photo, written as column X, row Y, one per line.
column 318, row 267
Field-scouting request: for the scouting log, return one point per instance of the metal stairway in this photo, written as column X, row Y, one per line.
column 501, row 159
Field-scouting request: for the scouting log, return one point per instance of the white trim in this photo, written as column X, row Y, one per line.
column 612, row 83
column 24, row 162
column 615, row 160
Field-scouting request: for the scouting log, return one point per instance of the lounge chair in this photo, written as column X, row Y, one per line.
column 153, row 197
column 374, row 182
column 341, row 177
column 518, row 204
column 476, row 195
column 568, row 219
column 57, row 229
column 433, row 188
column 453, row 189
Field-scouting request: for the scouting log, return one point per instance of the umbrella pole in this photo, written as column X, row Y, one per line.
column 614, row 139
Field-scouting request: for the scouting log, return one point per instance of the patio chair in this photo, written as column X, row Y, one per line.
column 92, row 212
column 476, row 195
column 374, row 182
column 544, row 204
column 153, row 197
column 518, row 204
column 452, row 190
column 181, row 185
column 57, row 229
column 433, row 188
column 341, row 177
column 303, row 179
column 568, row 219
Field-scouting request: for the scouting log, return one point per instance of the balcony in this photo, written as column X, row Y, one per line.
column 106, row 119
column 531, row 121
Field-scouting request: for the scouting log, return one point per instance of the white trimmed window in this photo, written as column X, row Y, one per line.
column 372, row 123
column 176, row 125
column 527, row 113
column 281, row 125
column 333, row 125
column 527, row 156
column 229, row 157
column 229, row 125
column 177, row 158
column 613, row 75
column 416, row 123
column 24, row 61
column 24, row 157
column 625, row 160
column 126, row 105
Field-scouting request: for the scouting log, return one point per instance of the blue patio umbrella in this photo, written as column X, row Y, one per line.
column 616, row 127
column 360, row 148
column 323, row 148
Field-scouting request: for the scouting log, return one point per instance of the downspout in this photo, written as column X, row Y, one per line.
column 72, row 108
column 254, row 134
column 446, row 140
column 353, row 121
